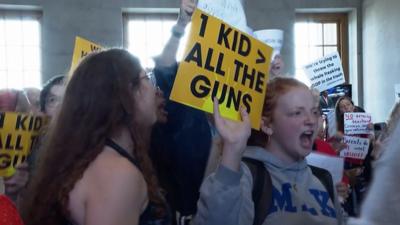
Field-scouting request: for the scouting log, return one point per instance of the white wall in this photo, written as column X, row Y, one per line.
column 381, row 60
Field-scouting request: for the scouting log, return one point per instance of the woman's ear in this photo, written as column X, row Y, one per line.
column 266, row 126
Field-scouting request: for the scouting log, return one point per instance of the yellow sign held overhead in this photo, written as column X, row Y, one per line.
column 18, row 133
column 221, row 61
column 82, row 48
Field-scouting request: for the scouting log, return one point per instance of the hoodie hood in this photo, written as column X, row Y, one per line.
column 271, row 161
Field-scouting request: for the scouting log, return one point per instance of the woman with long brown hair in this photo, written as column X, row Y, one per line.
column 94, row 166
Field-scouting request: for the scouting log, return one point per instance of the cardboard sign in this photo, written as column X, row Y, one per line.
column 82, row 48
column 229, row 11
column 397, row 92
column 18, row 132
column 357, row 123
column 333, row 164
column 222, row 61
column 326, row 72
column 357, row 148
column 272, row 37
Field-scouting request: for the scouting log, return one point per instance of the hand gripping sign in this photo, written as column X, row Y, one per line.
column 221, row 61
column 18, row 133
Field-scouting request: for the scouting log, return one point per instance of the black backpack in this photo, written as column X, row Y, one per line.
column 262, row 187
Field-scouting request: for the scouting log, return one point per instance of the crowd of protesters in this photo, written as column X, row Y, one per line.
column 116, row 150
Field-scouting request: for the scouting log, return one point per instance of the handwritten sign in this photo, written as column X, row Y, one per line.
column 18, row 132
column 221, row 61
column 357, row 123
column 326, row 72
column 229, row 11
column 356, row 147
column 272, row 37
column 82, row 48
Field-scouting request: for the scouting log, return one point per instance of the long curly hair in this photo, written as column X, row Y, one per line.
column 276, row 87
column 98, row 100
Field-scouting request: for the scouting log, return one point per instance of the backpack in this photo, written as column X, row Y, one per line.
column 262, row 187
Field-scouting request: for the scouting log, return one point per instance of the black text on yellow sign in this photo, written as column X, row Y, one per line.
column 221, row 61
column 82, row 48
column 18, row 133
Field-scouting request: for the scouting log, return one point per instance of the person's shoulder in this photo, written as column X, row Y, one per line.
column 111, row 185
column 111, row 167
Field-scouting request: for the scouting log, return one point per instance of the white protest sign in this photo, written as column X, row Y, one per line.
column 333, row 164
column 229, row 11
column 326, row 72
column 357, row 123
column 356, row 147
column 397, row 92
column 271, row 37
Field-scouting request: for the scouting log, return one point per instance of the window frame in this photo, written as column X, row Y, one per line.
column 23, row 14
column 341, row 19
column 147, row 15
column 127, row 16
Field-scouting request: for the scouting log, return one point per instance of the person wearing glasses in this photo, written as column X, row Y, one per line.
column 95, row 160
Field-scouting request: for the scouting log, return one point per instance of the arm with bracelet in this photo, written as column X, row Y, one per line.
column 168, row 55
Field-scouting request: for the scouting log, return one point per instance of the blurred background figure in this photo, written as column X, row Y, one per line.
column 325, row 101
column 382, row 203
column 24, row 101
column 51, row 95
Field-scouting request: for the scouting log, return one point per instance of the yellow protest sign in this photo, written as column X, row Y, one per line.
column 222, row 61
column 18, row 132
column 81, row 49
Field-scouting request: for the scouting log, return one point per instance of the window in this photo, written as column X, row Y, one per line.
column 20, row 49
column 317, row 35
column 145, row 34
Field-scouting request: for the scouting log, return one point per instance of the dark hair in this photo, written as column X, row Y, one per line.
column 97, row 101
column 57, row 80
column 276, row 87
column 339, row 115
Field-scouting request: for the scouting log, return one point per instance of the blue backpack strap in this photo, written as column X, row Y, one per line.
column 262, row 189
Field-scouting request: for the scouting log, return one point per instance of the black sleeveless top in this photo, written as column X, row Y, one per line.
column 148, row 217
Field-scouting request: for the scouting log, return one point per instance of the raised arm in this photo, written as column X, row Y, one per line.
column 225, row 196
column 168, row 55
column 234, row 136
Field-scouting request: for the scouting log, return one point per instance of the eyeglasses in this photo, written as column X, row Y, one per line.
column 150, row 76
